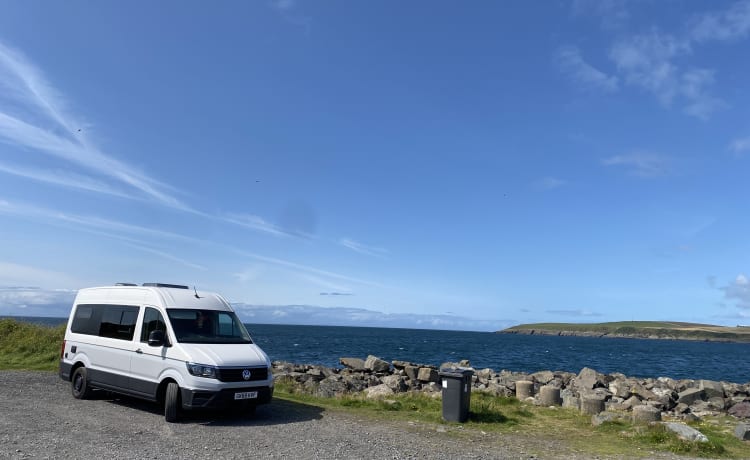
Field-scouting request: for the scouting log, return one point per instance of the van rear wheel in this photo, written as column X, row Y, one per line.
column 172, row 403
column 80, row 384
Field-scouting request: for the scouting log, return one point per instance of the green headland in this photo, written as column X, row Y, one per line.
column 669, row 330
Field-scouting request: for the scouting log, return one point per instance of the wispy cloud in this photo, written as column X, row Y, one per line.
column 336, row 293
column 613, row 14
column 647, row 61
column 40, row 122
column 578, row 312
column 255, row 223
column 641, row 164
column 729, row 25
column 362, row 248
column 548, row 183
column 65, row 179
column 740, row 146
column 572, row 64
column 283, row 5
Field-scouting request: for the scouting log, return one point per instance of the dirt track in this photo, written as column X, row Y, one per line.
column 40, row 419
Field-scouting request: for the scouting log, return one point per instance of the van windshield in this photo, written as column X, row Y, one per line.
column 207, row 326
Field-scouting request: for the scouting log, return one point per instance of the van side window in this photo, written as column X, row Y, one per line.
column 118, row 322
column 113, row 321
column 86, row 320
column 152, row 321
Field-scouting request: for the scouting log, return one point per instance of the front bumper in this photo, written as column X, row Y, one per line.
column 223, row 399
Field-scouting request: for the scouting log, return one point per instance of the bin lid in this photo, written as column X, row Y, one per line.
column 456, row 372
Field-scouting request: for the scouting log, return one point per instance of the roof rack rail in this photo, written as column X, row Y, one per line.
column 165, row 285
column 125, row 284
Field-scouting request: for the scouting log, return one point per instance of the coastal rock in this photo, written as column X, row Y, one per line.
column 740, row 410
column 543, row 377
column 685, row 432
column 742, row 431
column 646, row 414
column 356, row 364
column 588, row 379
column 570, row 399
column 396, row 383
column 592, row 404
column 379, row 391
column 711, row 389
column 428, row 374
column 412, row 373
column 690, row 395
column 401, row 364
column 331, row 387
column 376, row 364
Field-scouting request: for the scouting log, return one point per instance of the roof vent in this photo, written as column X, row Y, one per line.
column 165, row 285
column 125, row 284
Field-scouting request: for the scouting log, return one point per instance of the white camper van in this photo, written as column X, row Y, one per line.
column 166, row 343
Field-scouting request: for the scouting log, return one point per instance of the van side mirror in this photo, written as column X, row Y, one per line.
column 156, row 338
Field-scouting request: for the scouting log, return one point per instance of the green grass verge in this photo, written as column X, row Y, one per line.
column 29, row 346
column 491, row 414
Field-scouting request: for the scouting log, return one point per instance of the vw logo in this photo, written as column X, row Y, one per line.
column 246, row 374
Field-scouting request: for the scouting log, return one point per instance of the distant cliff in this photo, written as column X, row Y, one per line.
column 637, row 330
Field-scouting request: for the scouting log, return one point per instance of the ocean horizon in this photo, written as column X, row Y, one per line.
column 324, row 345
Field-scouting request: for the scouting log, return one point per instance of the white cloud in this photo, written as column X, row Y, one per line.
column 572, row 63
column 739, row 291
column 641, row 164
column 740, row 146
column 13, row 274
column 362, row 248
column 646, row 61
column 699, row 102
column 728, row 25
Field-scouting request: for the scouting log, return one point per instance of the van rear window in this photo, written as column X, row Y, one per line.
column 114, row 321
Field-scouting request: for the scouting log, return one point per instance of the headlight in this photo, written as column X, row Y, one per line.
column 201, row 370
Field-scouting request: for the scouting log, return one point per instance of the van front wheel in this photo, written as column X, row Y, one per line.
column 80, row 384
column 172, row 402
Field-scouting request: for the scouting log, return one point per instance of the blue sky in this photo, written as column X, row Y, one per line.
column 419, row 164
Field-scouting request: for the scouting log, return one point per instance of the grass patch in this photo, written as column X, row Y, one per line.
column 491, row 414
column 29, row 346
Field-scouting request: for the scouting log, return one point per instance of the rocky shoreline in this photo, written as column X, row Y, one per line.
column 604, row 396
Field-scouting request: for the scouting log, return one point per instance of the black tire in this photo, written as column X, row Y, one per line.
column 80, row 384
column 172, row 403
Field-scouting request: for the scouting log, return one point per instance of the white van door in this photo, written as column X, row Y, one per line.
column 110, row 351
column 147, row 363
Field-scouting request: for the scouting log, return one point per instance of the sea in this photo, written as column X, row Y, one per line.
column 324, row 345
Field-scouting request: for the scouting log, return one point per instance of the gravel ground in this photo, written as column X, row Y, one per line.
column 39, row 418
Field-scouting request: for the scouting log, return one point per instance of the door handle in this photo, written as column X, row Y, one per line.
column 139, row 351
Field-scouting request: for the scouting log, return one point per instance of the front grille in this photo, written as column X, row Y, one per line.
column 234, row 374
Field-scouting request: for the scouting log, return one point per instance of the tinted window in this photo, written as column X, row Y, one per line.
column 114, row 321
column 152, row 321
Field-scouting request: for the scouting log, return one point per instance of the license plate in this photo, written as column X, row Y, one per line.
column 246, row 395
